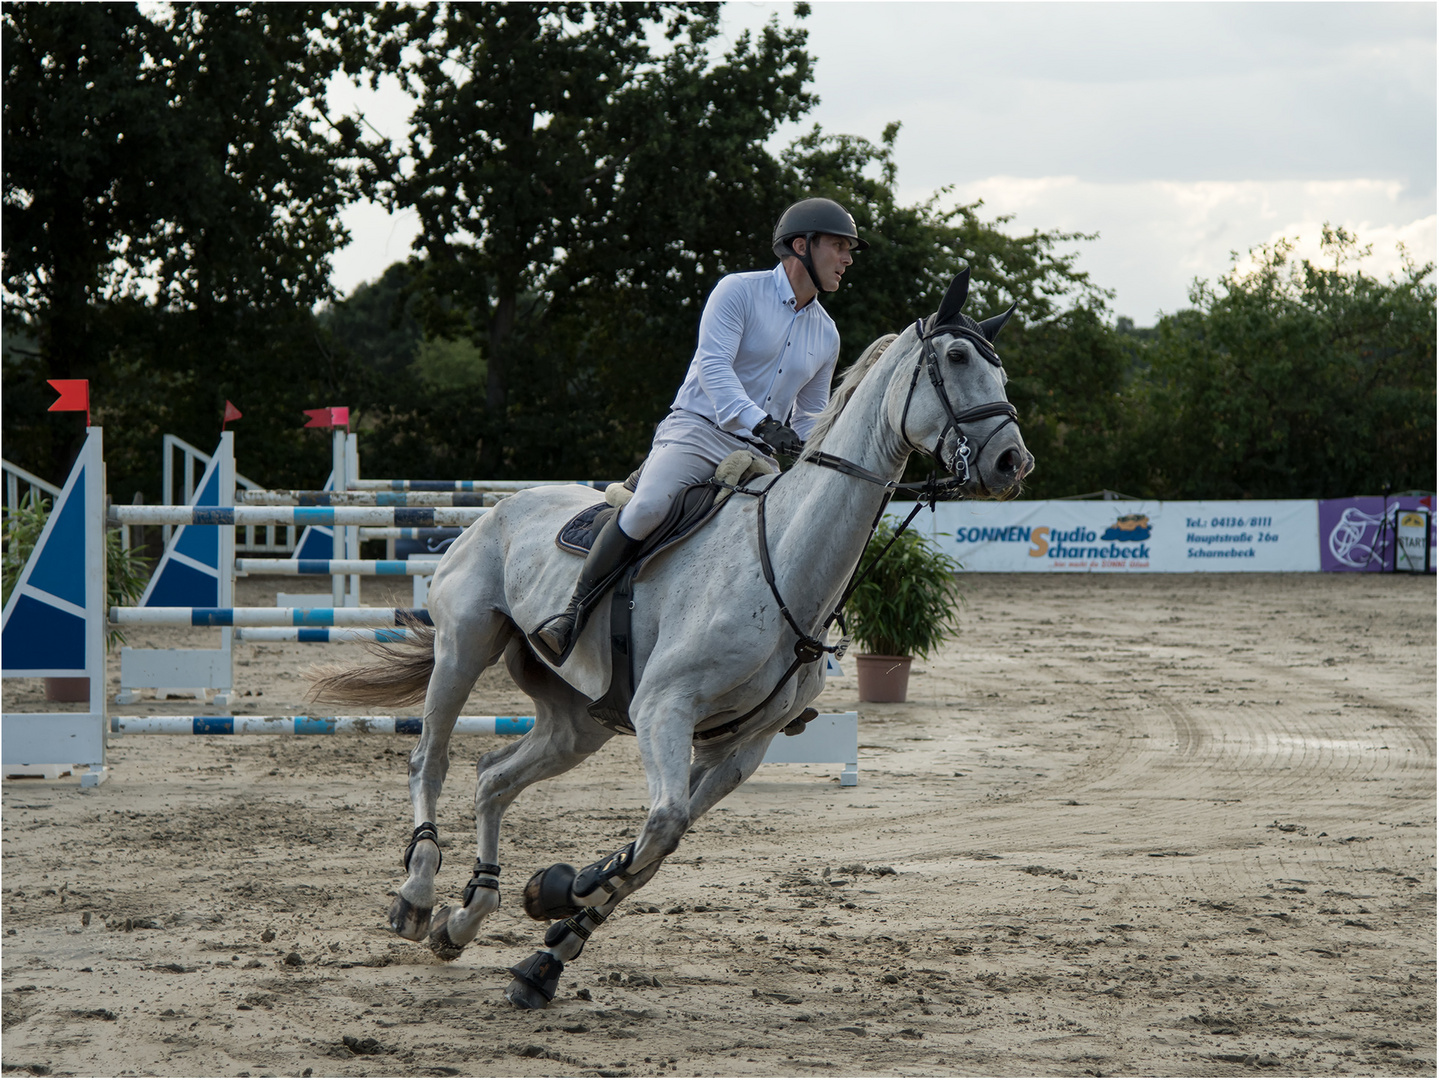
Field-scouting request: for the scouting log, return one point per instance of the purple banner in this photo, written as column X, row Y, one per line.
column 1357, row 535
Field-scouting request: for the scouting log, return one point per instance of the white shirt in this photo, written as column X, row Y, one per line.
column 759, row 357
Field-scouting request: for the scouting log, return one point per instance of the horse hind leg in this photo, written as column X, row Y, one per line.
column 563, row 736
column 461, row 654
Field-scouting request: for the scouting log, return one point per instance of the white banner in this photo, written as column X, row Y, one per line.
column 1125, row 536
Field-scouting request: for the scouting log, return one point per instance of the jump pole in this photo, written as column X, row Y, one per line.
column 830, row 738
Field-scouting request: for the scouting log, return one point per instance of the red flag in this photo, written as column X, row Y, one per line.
column 74, row 396
column 231, row 413
column 335, row 416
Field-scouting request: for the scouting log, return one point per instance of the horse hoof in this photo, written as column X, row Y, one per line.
column 410, row 922
column 536, row 980
column 440, row 942
column 522, row 995
column 548, row 894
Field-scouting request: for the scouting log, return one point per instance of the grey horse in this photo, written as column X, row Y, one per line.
column 714, row 638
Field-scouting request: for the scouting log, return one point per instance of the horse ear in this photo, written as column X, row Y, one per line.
column 995, row 323
column 954, row 299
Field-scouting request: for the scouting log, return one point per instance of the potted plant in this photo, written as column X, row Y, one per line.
column 903, row 608
column 127, row 575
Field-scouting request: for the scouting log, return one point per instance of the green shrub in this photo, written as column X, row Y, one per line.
column 127, row 571
column 905, row 606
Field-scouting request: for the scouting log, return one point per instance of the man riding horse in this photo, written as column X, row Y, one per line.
column 759, row 377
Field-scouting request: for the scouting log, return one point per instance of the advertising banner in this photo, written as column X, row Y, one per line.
column 1126, row 536
column 1358, row 535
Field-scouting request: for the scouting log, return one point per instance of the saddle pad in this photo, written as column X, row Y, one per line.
column 695, row 506
column 578, row 534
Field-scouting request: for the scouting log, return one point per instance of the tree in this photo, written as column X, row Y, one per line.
column 561, row 164
column 171, row 196
column 1293, row 379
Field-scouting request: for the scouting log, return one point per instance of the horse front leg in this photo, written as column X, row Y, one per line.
column 581, row 900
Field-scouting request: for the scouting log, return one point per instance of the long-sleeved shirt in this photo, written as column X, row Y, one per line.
column 758, row 356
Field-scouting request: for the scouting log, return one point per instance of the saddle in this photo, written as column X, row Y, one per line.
column 689, row 512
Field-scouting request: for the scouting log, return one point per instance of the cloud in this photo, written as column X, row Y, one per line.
column 1157, row 236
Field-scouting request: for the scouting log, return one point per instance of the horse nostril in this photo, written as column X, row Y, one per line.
column 1009, row 461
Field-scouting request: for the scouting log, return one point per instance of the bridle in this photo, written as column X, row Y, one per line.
column 810, row 648
column 964, row 456
column 929, row 361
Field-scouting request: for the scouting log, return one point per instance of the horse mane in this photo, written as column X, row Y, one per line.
column 853, row 375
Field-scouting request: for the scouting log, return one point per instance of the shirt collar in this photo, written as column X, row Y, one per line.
column 783, row 287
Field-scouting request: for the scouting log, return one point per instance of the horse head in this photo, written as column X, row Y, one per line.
column 954, row 407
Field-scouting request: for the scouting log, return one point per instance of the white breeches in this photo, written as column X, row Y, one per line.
column 686, row 450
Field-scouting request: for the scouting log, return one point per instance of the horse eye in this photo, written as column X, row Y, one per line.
column 957, row 354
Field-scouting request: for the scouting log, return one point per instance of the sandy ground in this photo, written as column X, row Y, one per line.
column 1164, row 825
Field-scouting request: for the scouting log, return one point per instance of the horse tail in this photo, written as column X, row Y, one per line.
column 398, row 675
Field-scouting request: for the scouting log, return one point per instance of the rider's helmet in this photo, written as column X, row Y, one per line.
column 810, row 217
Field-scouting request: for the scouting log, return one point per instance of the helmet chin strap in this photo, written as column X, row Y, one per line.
column 808, row 263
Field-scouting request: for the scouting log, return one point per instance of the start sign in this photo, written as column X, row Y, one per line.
column 1411, row 541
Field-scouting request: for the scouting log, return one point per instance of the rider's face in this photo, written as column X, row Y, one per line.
column 831, row 257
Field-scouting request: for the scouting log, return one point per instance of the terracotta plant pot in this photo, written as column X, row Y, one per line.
column 882, row 678
column 71, row 688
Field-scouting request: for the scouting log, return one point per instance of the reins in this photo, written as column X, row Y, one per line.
column 810, row 648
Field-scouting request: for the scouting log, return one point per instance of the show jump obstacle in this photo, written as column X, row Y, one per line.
column 55, row 620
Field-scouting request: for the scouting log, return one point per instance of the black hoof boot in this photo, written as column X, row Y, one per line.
column 535, row 981
column 548, row 894
column 410, row 922
column 439, row 941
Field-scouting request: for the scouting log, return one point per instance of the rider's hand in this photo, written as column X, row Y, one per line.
column 779, row 437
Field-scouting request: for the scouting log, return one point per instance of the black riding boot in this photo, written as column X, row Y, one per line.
column 611, row 550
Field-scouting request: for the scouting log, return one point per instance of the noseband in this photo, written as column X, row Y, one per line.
column 929, row 361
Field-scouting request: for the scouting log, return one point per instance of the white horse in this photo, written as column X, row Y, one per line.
column 712, row 639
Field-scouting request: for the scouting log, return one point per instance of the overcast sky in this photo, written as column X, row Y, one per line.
column 1178, row 132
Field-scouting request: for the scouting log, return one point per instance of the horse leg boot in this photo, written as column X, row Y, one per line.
column 538, row 976
column 610, row 552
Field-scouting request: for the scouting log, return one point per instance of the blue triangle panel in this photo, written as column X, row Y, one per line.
column 183, row 586
column 199, row 542
column 60, row 569
column 317, row 543
column 41, row 637
column 209, row 493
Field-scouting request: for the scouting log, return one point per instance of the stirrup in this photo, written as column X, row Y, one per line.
column 542, row 647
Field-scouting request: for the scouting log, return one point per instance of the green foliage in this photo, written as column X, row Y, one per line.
column 1293, row 380
column 127, row 572
column 905, row 605
column 171, row 195
column 449, row 364
column 23, row 526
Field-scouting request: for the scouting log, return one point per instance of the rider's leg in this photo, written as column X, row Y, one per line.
column 678, row 459
column 612, row 549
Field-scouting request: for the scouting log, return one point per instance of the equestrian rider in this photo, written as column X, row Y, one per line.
column 759, row 377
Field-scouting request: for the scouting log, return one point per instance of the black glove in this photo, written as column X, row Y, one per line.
column 780, row 437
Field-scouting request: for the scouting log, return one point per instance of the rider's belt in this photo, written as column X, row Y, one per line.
column 748, row 440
